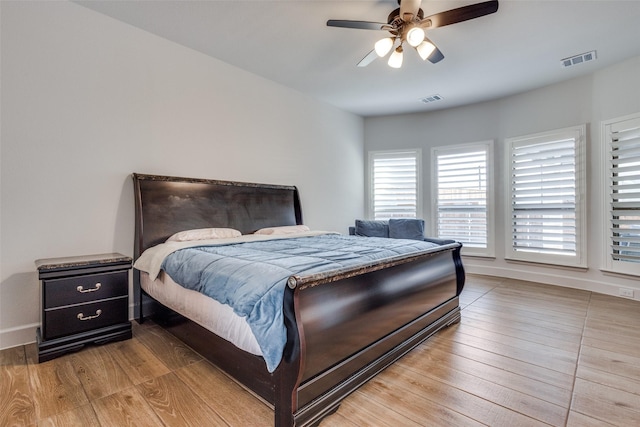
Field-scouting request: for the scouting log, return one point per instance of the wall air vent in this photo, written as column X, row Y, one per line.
column 578, row 59
column 429, row 99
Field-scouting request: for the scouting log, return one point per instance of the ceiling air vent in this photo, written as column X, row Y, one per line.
column 432, row 98
column 578, row 59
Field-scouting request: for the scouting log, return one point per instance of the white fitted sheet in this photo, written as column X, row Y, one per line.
column 210, row 314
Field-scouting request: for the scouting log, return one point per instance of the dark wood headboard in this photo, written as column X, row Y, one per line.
column 165, row 205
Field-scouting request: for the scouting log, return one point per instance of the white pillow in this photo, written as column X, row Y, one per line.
column 287, row 229
column 204, row 234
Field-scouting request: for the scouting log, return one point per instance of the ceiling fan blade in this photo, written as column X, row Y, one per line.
column 368, row 59
column 460, row 14
column 436, row 56
column 360, row 25
column 409, row 9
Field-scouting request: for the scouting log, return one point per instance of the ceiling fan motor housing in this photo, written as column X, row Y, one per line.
column 395, row 16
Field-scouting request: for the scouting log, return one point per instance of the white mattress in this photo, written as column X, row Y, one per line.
column 207, row 312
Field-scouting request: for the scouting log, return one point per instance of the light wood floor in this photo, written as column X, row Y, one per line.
column 523, row 354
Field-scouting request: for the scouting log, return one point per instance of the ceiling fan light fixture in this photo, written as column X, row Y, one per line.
column 383, row 46
column 395, row 60
column 425, row 49
column 415, row 36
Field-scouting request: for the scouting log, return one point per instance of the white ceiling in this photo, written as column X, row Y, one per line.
column 518, row 48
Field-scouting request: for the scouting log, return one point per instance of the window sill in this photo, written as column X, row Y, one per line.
column 625, row 275
column 478, row 256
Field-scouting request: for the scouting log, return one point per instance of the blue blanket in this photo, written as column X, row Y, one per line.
column 251, row 277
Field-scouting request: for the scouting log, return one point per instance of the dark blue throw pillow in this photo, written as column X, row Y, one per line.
column 372, row 228
column 406, row 228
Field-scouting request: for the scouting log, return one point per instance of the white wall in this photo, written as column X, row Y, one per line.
column 607, row 94
column 87, row 100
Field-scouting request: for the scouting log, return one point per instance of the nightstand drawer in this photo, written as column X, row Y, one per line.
column 84, row 317
column 85, row 288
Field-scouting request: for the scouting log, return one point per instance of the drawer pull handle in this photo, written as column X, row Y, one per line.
column 83, row 317
column 81, row 288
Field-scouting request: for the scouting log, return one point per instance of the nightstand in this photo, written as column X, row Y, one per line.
column 84, row 300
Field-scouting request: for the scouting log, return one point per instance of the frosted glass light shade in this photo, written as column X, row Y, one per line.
column 415, row 36
column 395, row 60
column 425, row 49
column 383, row 46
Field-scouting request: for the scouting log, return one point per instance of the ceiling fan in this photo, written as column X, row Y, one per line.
column 407, row 24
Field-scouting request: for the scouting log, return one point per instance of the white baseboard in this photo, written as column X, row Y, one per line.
column 558, row 278
column 13, row 337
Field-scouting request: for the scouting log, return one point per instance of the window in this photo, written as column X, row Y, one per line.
column 546, row 202
column 622, row 207
column 460, row 186
column 394, row 184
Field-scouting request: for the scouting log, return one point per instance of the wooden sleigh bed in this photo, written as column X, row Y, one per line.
column 342, row 327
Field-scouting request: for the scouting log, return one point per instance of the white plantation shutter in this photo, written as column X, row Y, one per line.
column 623, row 183
column 394, row 184
column 546, row 203
column 461, row 195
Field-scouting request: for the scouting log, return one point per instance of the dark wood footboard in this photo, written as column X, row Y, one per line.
column 353, row 324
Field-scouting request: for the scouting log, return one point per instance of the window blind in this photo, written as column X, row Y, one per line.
column 545, row 198
column 624, row 190
column 394, row 184
column 461, row 198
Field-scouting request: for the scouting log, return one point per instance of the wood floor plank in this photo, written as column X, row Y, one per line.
column 613, row 396
column 173, row 353
column 601, row 328
column 507, row 314
column 616, row 315
column 468, row 297
column 510, row 398
column 604, row 411
column 532, row 334
column 338, row 420
column 516, row 349
column 609, row 361
column 612, row 342
column 178, row 405
column 423, row 358
column 577, row 419
column 55, row 378
column 125, row 408
column 140, row 363
column 394, row 398
column 555, row 303
column 556, row 296
column 539, row 373
column 528, row 306
column 361, row 410
column 613, row 304
column 515, row 340
column 542, row 289
column 81, row 416
column 98, row 372
column 230, row 403
column 460, row 401
column 16, row 406
column 570, row 337
column 630, row 385
column 482, row 283
column 13, row 357
column 535, row 287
